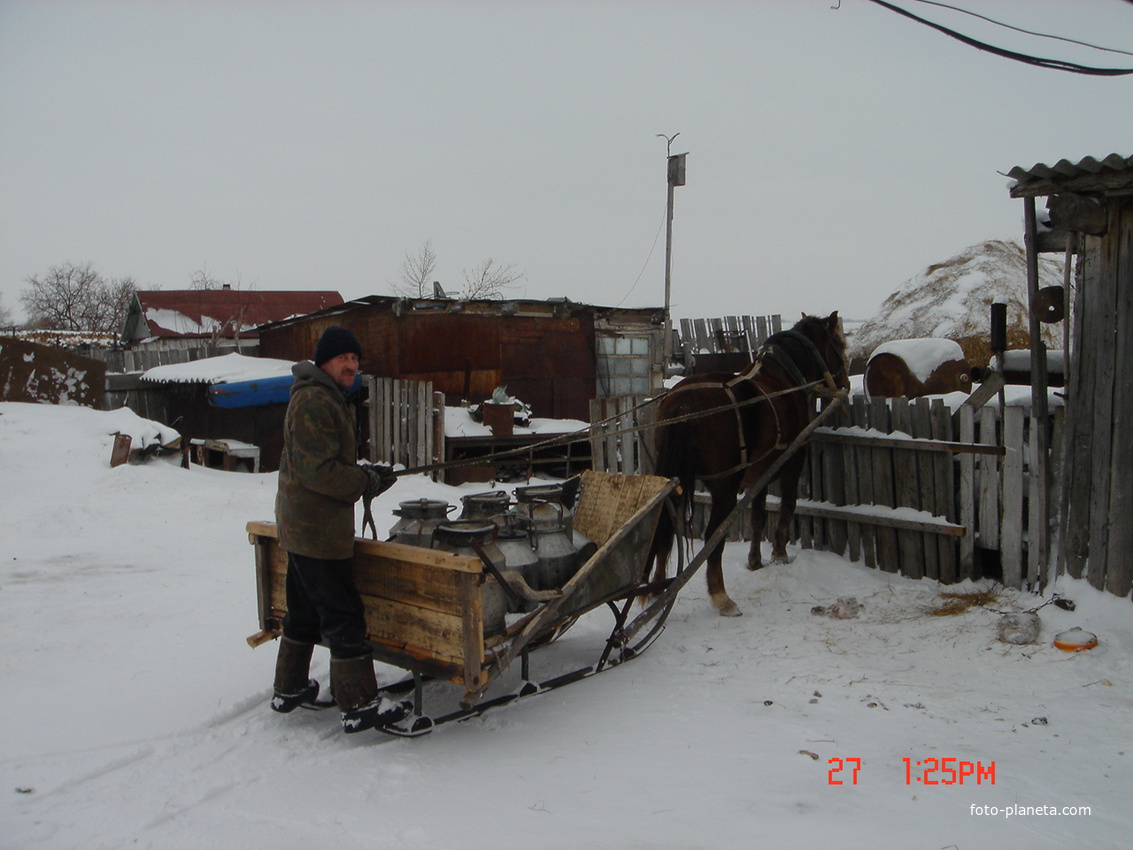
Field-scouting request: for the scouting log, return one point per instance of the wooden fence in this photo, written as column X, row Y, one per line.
column 406, row 421
column 141, row 359
column 620, row 436
column 729, row 333
column 906, row 486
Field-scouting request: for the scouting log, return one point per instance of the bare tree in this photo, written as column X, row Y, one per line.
column 234, row 323
column 203, row 280
column 416, row 277
column 118, row 293
column 488, row 280
column 77, row 298
column 5, row 316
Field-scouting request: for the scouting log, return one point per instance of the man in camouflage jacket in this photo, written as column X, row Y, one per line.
column 319, row 482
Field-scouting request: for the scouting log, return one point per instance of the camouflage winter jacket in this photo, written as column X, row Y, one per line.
column 319, row 480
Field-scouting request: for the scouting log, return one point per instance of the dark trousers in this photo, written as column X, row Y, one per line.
column 323, row 605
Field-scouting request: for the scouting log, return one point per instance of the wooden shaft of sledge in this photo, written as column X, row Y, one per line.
column 260, row 638
column 721, row 532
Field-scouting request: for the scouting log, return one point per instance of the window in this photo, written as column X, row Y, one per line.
column 624, row 364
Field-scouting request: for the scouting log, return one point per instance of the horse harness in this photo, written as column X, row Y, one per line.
column 772, row 349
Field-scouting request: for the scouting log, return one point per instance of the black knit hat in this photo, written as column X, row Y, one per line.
column 336, row 341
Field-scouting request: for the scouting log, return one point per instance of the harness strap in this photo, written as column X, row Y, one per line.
column 778, row 445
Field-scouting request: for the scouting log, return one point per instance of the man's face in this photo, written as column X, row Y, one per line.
column 342, row 369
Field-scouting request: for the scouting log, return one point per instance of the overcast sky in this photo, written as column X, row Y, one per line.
column 832, row 153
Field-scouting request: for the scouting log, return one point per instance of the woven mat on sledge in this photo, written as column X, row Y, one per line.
column 610, row 499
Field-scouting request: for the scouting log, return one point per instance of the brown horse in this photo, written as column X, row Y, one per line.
column 726, row 430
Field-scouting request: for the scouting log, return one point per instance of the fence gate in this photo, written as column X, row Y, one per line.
column 405, row 425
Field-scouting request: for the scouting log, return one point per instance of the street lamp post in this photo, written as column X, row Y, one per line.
column 675, row 177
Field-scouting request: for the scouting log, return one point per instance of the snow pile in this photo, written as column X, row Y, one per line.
column 953, row 299
column 135, row 715
column 459, row 423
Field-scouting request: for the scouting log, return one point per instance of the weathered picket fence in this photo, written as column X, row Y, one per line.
column 406, row 422
column 621, row 439
column 906, row 486
column 728, row 334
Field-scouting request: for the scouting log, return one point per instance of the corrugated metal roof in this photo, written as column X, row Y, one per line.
column 191, row 312
column 1064, row 171
column 496, row 307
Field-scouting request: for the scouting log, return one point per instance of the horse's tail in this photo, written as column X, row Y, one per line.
column 676, row 458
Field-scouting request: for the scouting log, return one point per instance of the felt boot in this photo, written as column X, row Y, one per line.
column 293, row 687
column 355, row 689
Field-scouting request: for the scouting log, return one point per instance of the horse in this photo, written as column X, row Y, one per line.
column 726, row 430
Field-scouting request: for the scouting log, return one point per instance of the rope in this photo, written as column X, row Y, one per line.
column 575, row 436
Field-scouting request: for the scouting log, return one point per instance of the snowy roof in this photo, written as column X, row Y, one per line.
column 200, row 312
column 226, row 369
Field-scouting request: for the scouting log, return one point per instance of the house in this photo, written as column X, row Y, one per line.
column 554, row 355
column 219, row 320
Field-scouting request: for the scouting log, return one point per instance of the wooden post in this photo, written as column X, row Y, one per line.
column 1011, row 529
column 1119, row 575
column 1040, row 422
column 438, row 452
column 967, row 490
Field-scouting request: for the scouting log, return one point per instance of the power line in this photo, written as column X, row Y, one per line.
column 649, row 257
column 1025, row 31
column 1041, row 62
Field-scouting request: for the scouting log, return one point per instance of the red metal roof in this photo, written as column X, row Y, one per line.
column 197, row 312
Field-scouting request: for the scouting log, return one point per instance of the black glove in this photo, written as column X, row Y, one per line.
column 381, row 479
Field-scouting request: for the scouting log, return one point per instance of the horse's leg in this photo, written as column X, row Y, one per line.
column 758, row 522
column 789, row 494
column 663, row 539
column 723, row 501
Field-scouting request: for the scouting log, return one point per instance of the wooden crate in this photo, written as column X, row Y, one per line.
column 423, row 607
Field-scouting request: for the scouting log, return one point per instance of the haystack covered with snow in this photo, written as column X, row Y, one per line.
column 952, row 300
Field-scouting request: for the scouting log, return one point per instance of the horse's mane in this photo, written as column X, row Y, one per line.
column 814, row 329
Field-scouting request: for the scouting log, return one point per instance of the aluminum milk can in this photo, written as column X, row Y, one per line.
column 418, row 519
column 460, row 536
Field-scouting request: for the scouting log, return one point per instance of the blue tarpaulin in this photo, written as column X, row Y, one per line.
column 252, row 393
column 260, row 391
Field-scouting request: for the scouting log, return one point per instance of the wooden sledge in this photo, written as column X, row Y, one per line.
column 425, row 608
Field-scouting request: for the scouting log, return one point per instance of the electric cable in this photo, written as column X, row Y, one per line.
column 1038, row 61
column 1025, row 31
column 644, row 265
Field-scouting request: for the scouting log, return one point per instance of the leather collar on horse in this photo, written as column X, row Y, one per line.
column 774, row 346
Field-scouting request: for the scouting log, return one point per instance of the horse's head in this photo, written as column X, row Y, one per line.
column 827, row 337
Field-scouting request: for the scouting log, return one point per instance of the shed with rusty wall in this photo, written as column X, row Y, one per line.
column 1091, row 213
column 549, row 354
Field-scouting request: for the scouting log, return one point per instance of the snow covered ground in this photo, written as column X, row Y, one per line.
column 135, row 715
